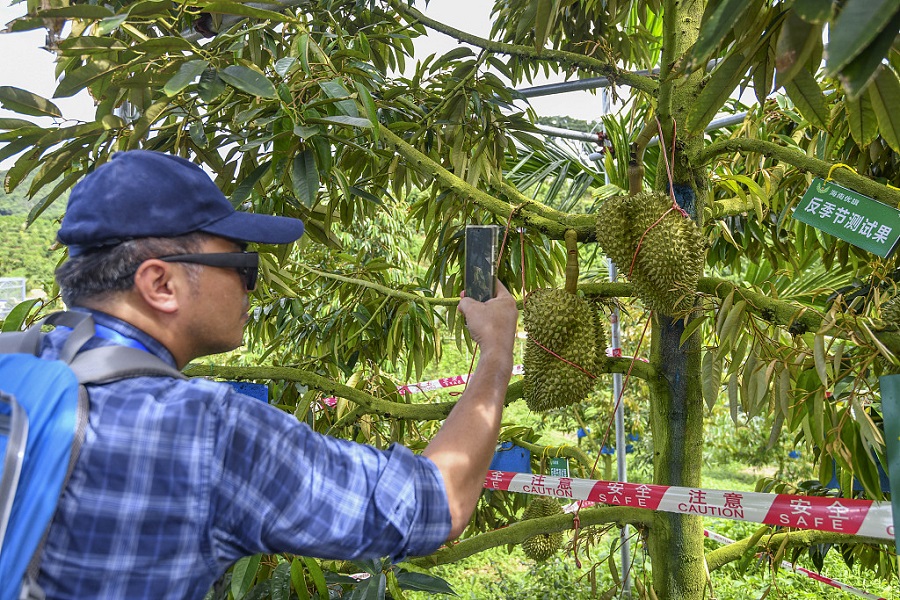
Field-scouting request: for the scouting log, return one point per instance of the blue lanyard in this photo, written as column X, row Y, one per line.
column 106, row 333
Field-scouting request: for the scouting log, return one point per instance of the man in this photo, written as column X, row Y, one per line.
column 177, row 479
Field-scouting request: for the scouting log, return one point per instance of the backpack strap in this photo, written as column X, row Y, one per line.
column 96, row 366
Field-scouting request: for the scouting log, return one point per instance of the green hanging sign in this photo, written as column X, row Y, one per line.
column 559, row 467
column 850, row 216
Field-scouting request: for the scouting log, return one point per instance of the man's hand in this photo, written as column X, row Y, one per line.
column 492, row 324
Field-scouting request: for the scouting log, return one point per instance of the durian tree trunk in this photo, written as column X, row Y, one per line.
column 676, row 402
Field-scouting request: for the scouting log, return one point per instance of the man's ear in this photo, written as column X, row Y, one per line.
column 158, row 284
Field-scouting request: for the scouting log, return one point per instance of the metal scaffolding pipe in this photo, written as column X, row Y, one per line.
column 581, row 136
column 580, row 85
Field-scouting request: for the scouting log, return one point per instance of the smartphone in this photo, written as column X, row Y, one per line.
column 481, row 261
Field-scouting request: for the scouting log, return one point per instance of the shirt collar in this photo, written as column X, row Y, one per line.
column 128, row 330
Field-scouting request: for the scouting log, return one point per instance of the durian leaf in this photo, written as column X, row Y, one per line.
column 716, row 26
column 732, row 323
column 692, row 326
column 857, row 25
column 814, row 11
column 764, row 71
column 885, row 95
column 862, row 120
column 804, row 90
column 783, row 392
column 776, row 431
column 711, row 372
column 724, row 79
column 723, row 312
column 859, row 72
column 794, row 47
column 733, row 399
column 819, row 358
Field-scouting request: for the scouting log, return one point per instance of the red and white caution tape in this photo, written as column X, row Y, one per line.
column 430, row 386
column 811, row 574
column 840, row 515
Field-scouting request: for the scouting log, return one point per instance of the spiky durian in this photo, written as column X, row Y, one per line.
column 542, row 546
column 660, row 250
column 565, row 325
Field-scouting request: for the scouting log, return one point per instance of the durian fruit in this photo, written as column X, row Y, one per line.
column 566, row 325
column 669, row 262
column 542, row 546
column 565, row 341
column 890, row 314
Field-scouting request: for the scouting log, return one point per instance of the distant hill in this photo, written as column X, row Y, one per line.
column 25, row 252
column 17, row 203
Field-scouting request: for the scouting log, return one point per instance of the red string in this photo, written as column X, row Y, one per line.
column 552, row 353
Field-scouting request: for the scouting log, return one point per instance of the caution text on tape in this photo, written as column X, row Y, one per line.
column 839, row 515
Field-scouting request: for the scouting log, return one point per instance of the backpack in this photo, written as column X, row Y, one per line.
column 43, row 417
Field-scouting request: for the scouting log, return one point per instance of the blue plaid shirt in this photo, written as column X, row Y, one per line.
column 179, row 479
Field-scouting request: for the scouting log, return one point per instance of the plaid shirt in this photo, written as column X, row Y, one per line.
column 178, row 479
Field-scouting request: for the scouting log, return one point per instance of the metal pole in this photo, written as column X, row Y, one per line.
column 616, row 344
column 581, row 136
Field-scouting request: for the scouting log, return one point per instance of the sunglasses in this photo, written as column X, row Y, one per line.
column 245, row 263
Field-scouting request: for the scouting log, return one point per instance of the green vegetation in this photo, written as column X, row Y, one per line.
column 26, row 250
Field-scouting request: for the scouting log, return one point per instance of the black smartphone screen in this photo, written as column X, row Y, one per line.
column 481, row 261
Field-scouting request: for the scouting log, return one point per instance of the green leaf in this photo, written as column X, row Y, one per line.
column 345, row 120
column 79, row 45
column 315, row 572
column 186, row 74
column 298, row 580
column 764, row 71
column 26, row 103
column 280, row 582
column 76, row 79
column 885, row 96
column 244, row 10
column 15, row 320
column 142, row 125
column 7, row 124
column 693, row 326
column 210, row 85
column 857, row 25
column 245, row 187
column 421, row 582
column 814, row 11
column 807, row 96
column 369, row 104
column 110, row 24
column 335, row 89
column 77, row 11
column 160, row 45
column 545, row 17
column 724, row 79
column 862, row 120
column 711, row 378
column 243, row 574
column 249, row 81
column 305, row 177
column 859, row 72
column 146, row 8
column 283, row 65
column 796, row 41
column 715, row 28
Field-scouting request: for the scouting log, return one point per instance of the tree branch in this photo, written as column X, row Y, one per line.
column 518, row 532
column 386, row 291
column 559, row 57
column 551, row 223
column 797, row 158
column 722, row 556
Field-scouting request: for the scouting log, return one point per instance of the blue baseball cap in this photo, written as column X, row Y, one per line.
column 141, row 193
